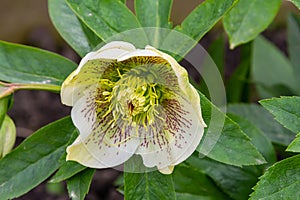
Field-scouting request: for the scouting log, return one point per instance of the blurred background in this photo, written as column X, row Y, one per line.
column 27, row 22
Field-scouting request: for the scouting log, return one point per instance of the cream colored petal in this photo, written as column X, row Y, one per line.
column 184, row 84
column 111, row 50
column 66, row 91
column 92, row 156
column 96, row 151
column 138, row 52
column 74, row 89
column 177, row 141
column 74, row 86
column 166, row 170
column 118, row 45
column 114, row 50
column 84, row 115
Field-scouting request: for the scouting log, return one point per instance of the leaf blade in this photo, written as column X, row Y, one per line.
column 237, row 182
column 71, row 28
column 35, row 159
column 286, row 111
column 258, row 139
column 105, row 18
column 79, row 185
column 66, row 171
column 271, row 71
column 196, row 25
column 280, row 180
column 238, row 86
column 296, row 3
column 231, row 146
column 4, row 104
column 155, row 16
column 261, row 118
column 202, row 14
column 295, row 144
column 148, row 185
column 24, row 64
column 153, row 13
column 248, row 18
column 189, row 180
column 293, row 40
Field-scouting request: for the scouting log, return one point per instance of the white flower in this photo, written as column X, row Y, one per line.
column 132, row 101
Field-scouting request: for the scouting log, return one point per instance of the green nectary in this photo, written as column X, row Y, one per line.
column 135, row 90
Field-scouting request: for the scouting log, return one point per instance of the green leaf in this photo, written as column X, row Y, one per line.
column 79, row 185
column 295, row 145
column 261, row 118
column 281, row 181
column 55, row 188
column 4, row 92
column 7, row 136
column 105, row 18
column 35, row 159
column 258, row 139
column 23, row 64
column 286, row 111
column 67, row 170
column 71, row 28
column 237, row 182
column 297, row 3
column 148, row 185
column 271, row 71
column 248, row 18
column 231, row 146
column 196, row 25
column 4, row 104
column 187, row 196
column 192, row 181
column 294, row 42
column 155, row 14
column 217, row 52
column 238, row 86
column 204, row 17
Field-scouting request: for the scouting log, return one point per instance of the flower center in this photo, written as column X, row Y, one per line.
column 136, row 105
column 132, row 92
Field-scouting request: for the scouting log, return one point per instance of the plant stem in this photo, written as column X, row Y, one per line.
column 9, row 88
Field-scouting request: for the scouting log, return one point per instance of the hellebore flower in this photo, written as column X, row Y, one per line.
column 132, row 101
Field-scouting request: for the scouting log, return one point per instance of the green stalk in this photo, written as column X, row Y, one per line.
column 9, row 88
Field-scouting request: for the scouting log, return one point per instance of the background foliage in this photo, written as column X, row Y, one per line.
column 246, row 162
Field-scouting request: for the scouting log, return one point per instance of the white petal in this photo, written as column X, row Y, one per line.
column 83, row 114
column 66, row 92
column 86, row 58
column 111, row 50
column 119, row 45
column 96, row 152
column 187, row 131
column 74, row 86
column 182, row 75
column 72, row 90
column 138, row 52
column 108, row 156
